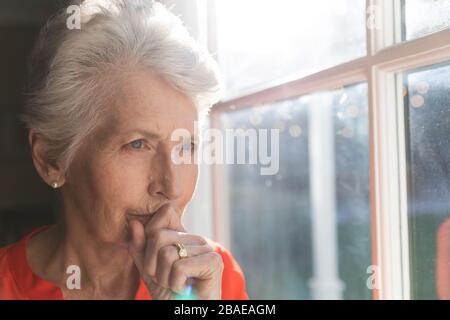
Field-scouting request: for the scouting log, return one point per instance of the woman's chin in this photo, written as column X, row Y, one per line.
column 119, row 238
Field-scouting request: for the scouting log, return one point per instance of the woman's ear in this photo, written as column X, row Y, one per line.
column 49, row 170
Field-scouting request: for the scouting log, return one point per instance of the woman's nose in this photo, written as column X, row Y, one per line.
column 171, row 185
column 165, row 177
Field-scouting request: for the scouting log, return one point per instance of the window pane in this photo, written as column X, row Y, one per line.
column 427, row 103
column 261, row 41
column 285, row 249
column 422, row 17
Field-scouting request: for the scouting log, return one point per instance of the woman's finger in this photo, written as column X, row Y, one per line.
column 206, row 268
column 166, row 217
column 168, row 255
column 162, row 238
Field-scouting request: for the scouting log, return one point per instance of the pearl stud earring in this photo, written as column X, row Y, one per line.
column 55, row 185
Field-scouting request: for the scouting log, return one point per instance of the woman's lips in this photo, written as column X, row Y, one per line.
column 144, row 216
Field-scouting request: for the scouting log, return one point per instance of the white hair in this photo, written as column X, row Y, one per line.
column 76, row 74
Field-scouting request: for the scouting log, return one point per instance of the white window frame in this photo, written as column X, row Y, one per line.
column 387, row 58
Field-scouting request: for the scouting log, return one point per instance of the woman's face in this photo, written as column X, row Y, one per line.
column 124, row 169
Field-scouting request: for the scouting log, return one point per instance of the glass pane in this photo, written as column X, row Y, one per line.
column 261, row 41
column 427, row 103
column 287, row 252
column 422, row 17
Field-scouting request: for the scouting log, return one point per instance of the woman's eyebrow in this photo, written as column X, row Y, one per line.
column 147, row 133
column 150, row 135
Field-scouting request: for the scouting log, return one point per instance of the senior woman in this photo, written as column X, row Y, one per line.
column 103, row 101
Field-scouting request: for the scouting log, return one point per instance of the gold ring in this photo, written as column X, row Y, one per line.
column 182, row 252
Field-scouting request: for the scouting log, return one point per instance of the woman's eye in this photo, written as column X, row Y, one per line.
column 188, row 147
column 137, row 144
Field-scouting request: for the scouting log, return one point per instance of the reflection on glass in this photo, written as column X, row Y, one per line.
column 261, row 41
column 422, row 17
column 271, row 217
column 427, row 101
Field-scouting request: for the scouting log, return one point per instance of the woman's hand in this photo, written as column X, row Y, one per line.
column 156, row 257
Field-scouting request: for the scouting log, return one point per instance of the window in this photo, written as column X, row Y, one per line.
column 427, row 103
column 289, row 261
column 281, row 41
column 422, row 17
column 358, row 208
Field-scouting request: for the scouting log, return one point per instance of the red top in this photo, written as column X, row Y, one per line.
column 18, row 282
column 443, row 261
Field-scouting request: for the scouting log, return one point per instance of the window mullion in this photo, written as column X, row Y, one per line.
column 403, row 189
column 390, row 245
column 385, row 172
